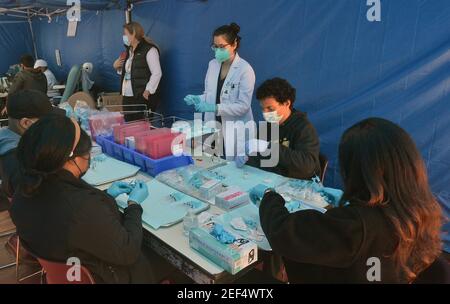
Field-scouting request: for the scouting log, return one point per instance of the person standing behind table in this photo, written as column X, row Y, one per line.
column 229, row 85
column 29, row 77
column 51, row 79
column 140, row 70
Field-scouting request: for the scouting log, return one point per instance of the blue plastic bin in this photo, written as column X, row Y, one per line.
column 150, row 166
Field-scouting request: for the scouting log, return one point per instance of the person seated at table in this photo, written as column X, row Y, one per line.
column 29, row 77
column 24, row 108
column 59, row 216
column 387, row 228
column 51, row 79
column 298, row 140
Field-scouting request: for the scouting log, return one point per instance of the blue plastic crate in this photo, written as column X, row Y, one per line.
column 150, row 166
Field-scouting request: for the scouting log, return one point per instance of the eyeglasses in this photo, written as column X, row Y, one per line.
column 215, row 47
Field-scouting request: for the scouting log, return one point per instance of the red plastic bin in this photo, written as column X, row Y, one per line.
column 123, row 131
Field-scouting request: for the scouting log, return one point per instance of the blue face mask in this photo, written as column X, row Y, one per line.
column 125, row 40
column 222, row 55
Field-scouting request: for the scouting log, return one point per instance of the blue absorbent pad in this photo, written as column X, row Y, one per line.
column 247, row 177
column 161, row 209
column 105, row 169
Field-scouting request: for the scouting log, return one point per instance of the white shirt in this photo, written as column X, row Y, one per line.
column 155, row 68
column 51, row 82
column 51, row 79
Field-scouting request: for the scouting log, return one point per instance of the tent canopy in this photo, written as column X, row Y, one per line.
column 48, row 8
column 58, row 4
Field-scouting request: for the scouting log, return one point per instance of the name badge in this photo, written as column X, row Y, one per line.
column 127, row 76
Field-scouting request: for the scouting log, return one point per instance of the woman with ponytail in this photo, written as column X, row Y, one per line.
column 59, row 216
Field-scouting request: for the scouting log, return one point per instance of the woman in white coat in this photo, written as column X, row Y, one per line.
column 229, row 86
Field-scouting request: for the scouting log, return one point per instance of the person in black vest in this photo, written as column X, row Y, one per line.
column 141, row 71
column 387, row 227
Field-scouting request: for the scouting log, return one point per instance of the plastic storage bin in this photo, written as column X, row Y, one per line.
column 123, row 131
column 150, row 166
column 102, row 124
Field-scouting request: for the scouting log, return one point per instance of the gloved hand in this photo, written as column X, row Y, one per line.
column 118, row 188
column 192, row 100
column 257, row 193
column 139, row 193
column 240, row 161
column 203, row 107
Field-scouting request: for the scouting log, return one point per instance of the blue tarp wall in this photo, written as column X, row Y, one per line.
column 344, row 67
column 15, row 39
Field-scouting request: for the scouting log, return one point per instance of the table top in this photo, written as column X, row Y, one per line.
column 174, row 237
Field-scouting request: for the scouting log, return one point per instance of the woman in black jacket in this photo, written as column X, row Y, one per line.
column 390, row 230
column 59, row 216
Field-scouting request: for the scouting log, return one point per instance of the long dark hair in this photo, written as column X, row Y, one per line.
column 44, row 149
column 382, row 167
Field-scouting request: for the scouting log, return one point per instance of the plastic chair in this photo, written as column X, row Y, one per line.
column 21, row 253
column 56, row 273
column 323, row 160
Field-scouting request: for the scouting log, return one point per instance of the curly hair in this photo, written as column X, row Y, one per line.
column 277, row 88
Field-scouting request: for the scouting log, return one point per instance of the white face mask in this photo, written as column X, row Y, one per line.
column 126, row 41
column 272, row 117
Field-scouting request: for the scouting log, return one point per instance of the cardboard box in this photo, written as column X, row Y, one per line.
column 231, row 257
column 112, row 101
column 232, row 198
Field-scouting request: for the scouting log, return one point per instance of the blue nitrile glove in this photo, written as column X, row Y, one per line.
column 240, row 161
column 203, row 107
column 191, row 178
column 257, row 193
column 118, row 188
column 222, row 235
column 139, row 193
column 192, row 100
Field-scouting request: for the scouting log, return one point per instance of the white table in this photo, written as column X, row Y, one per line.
column 173, row 245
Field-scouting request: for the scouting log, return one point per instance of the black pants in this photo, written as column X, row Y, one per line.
column 138, row 105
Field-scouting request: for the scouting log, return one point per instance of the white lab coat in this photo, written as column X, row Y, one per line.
column 235, row 102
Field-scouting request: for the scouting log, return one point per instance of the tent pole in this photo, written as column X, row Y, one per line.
column 128, row 12
column 32, row 36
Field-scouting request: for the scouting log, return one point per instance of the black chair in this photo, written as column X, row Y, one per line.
column 323, row 160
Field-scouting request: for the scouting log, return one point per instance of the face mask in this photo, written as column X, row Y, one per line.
column 272, row 117
column 81, row 172
column 222, row 55
column 126, row 41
